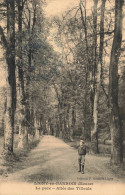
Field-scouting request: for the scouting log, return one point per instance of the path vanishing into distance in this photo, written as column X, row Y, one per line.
column 55, row 160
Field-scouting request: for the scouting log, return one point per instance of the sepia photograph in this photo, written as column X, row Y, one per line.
column 62, row 97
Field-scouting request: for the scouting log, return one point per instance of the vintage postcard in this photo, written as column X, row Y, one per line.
column 62, row 97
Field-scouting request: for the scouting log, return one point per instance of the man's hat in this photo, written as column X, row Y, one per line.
column 81, row 138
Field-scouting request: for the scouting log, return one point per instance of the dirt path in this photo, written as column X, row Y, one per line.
column 54, row 160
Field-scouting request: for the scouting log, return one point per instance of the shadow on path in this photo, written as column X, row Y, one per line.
column 54, row 160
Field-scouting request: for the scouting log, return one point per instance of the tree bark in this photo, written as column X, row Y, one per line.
column 36, row 126
column 94, row 132
column 22, row 133
column 87, row 69
column 95, row 78
column 115, row 122
column 11, row 80
column 72, row 129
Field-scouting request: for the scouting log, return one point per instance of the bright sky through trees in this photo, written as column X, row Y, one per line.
column 58, row 7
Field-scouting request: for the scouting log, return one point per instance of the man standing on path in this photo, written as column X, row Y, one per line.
column 81, row 156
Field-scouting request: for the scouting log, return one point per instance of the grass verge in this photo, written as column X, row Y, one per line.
column 9, row 162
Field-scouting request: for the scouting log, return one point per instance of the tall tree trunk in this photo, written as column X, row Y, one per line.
column 59, row 111
column 87, row 68
column 95, row 78
column 27, row 106
column 59, row 118
column 72, row 130
column 115, row 123
column 94, row 132
column 85, row 128
column 36, row 126
column 70, row 135
column 22, row 132
column 11, row 80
